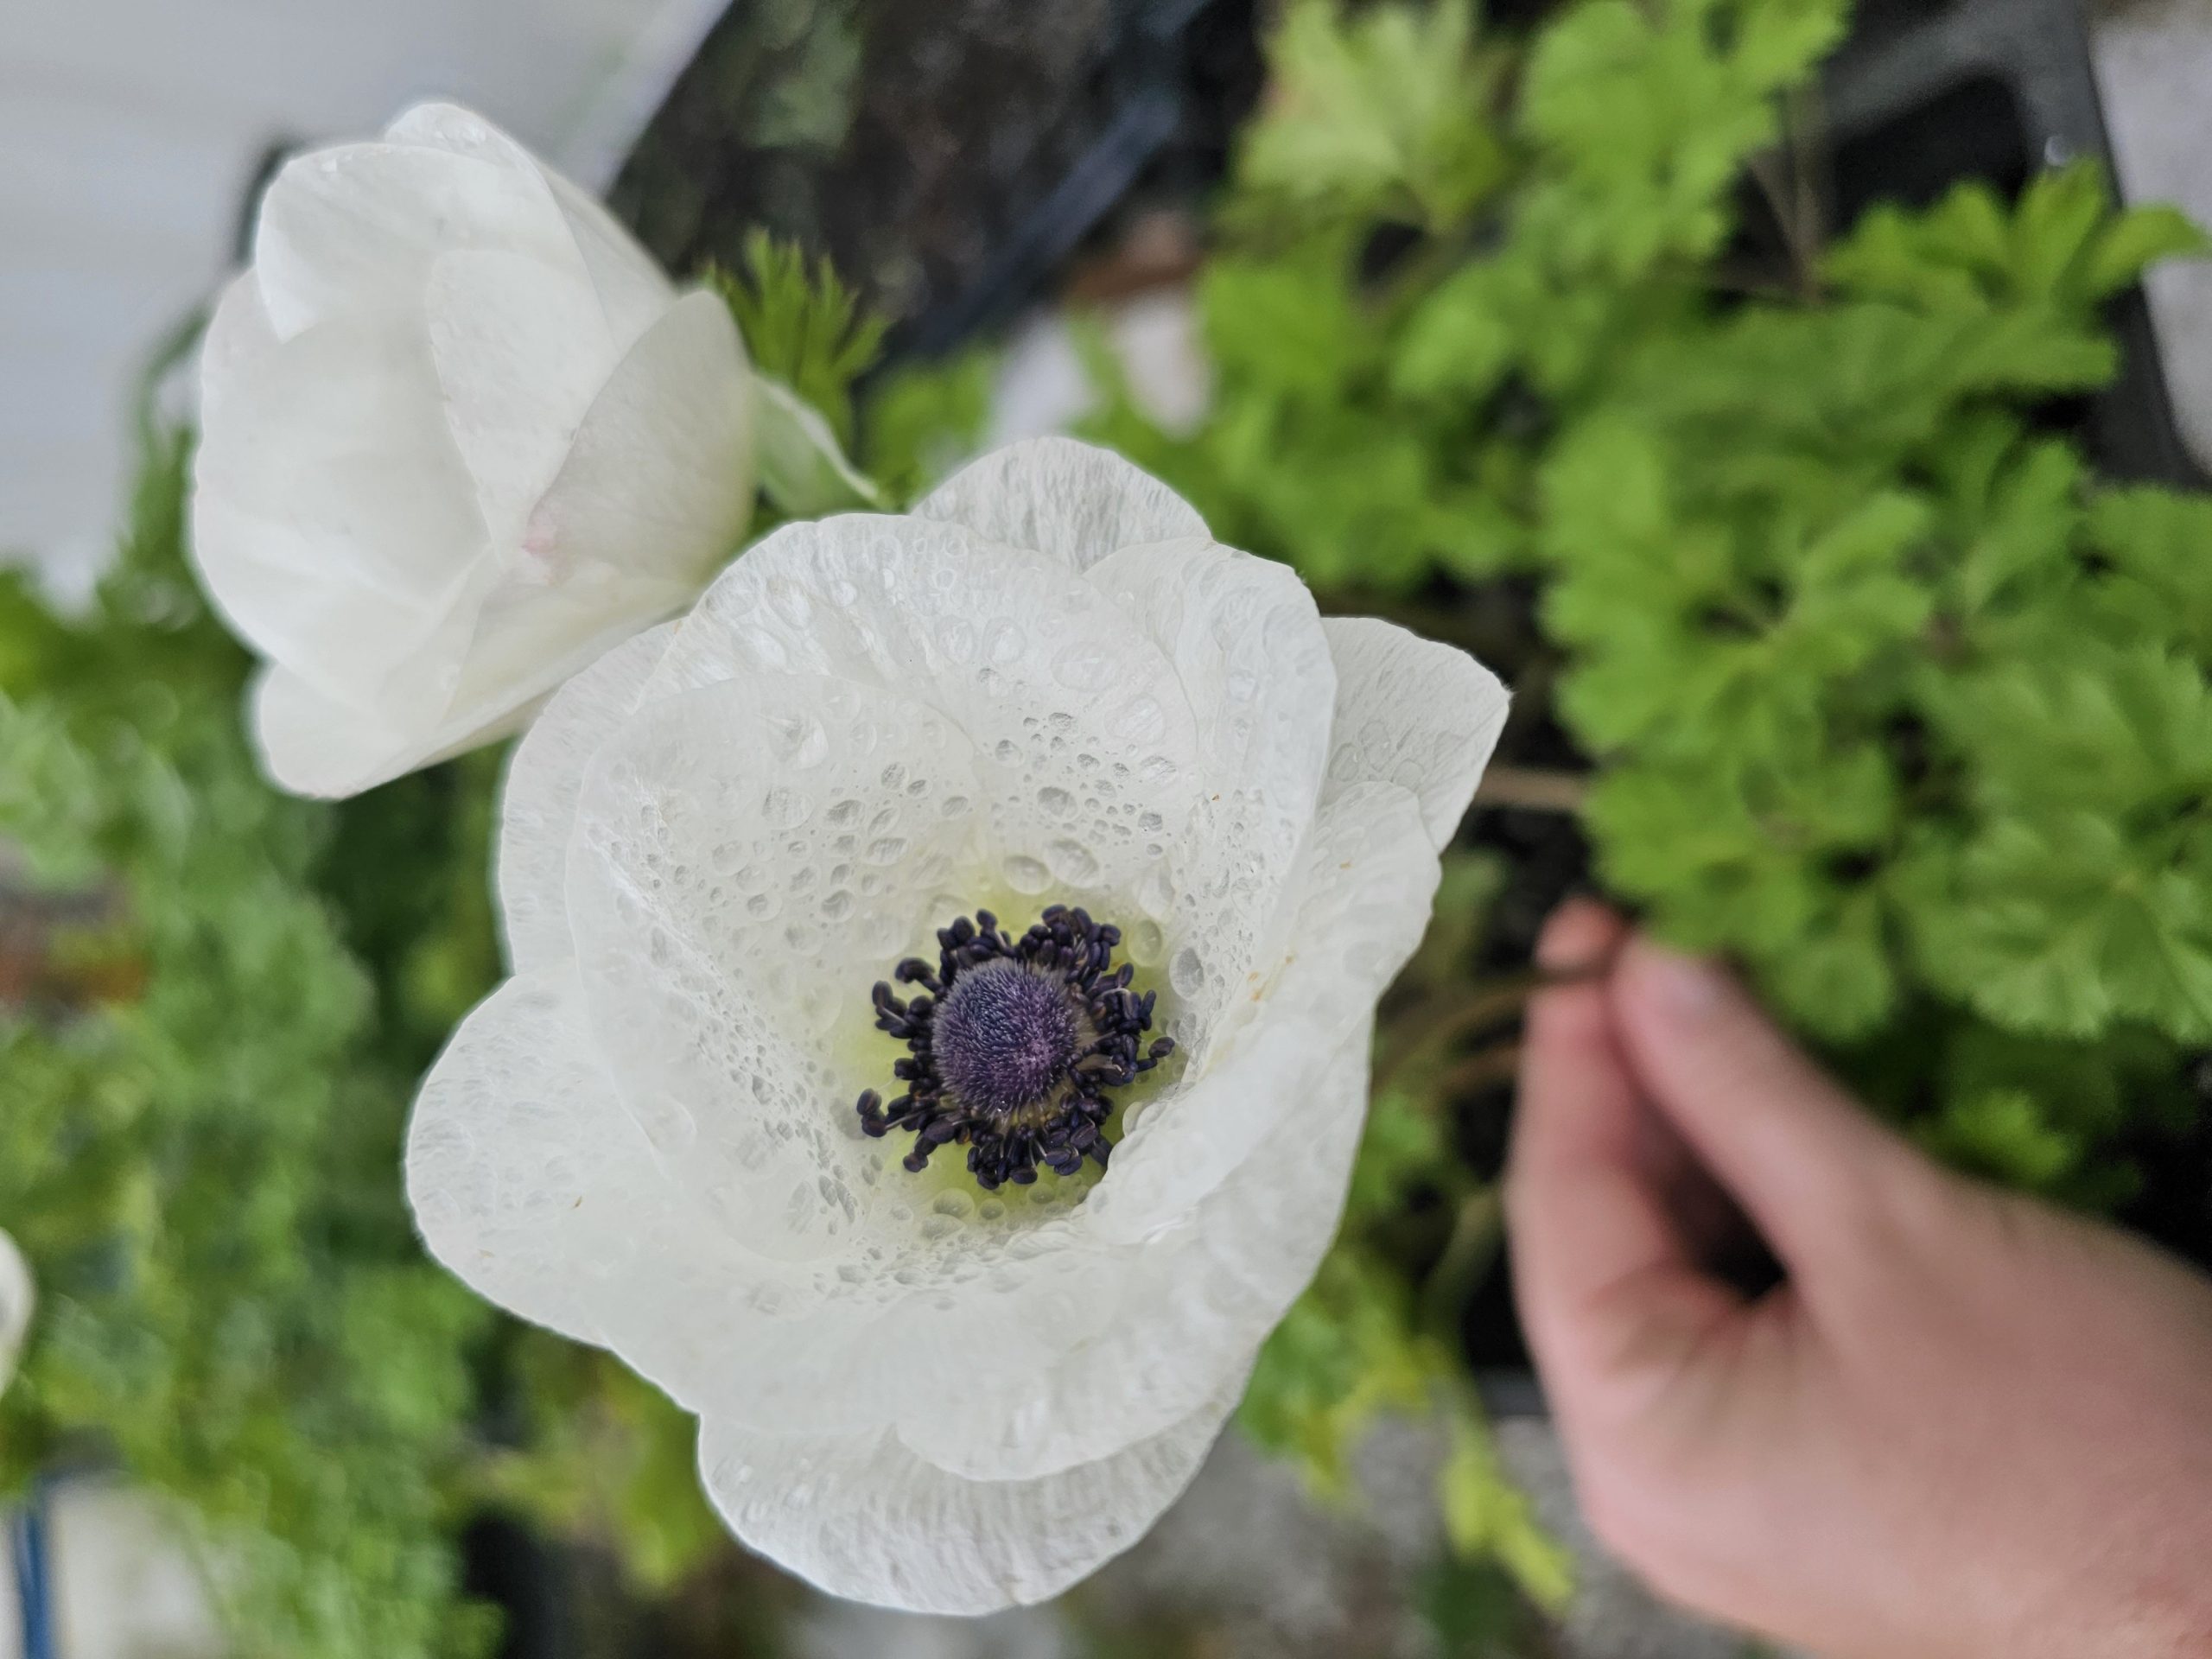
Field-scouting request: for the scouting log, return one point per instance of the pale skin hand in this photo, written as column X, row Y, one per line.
column 1966, row 1426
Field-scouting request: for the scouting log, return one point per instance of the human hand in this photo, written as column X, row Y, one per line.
column 1965, row 1424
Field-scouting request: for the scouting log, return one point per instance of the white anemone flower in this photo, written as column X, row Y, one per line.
column 459, row 437
column 18, row 1301
column 752, row 868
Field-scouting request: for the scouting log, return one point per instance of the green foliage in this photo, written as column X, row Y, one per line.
column 923, row 420
column 202, row 1131
column 1369, row 119
column 802, row 326
column 1883, row 693
column 1374, row 1333
column 1887, row 695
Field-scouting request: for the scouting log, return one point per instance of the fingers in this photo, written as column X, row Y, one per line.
column 1796, row 1151
column 1606, row 1283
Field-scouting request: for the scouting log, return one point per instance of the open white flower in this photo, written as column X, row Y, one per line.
column 460, row 436
column 16, row 1301
column 1048, row 687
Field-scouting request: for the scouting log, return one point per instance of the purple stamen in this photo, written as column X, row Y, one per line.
column 1013, row 1045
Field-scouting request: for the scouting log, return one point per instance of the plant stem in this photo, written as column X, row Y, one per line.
column 1534, row 789
column 1489, row 1065
column 1442, row 1021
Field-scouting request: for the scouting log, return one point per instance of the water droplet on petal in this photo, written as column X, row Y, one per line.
column 1187, row 972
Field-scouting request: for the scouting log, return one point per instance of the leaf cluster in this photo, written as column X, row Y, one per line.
column 1886, row 693
column 201, row 1125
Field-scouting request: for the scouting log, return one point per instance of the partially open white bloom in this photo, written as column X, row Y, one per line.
column 459, row 437
column 16, row 1301
column 933, row 1388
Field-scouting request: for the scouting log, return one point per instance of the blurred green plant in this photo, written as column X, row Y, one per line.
column 204, row 1097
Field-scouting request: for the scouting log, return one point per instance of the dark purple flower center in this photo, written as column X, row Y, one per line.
column 1013, row 1045
column 1005, row 1035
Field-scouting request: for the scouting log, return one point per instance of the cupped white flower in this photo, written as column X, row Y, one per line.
column 459, row 437
column 1049, row 694
column 17, row 1299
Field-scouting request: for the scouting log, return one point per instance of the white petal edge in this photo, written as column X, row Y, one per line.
column 864, row 1518
column 545, row 777
column 658, row 482
column 311, row 744
column 521, row 349
column 1254, row 663
column 351, row 230
column 1184, row 1305
column 631, row 290
column 1072, row 500
column 803, row 468
column 333, row 522
column 551, row 1240
column 18, row 1299
column 1410, row 712
column 1360, row 904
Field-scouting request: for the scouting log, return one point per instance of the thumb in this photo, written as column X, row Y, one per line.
column 1801, row 1156
column 1606, row 1284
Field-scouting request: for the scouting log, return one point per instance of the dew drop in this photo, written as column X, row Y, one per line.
column 786, row 808
column 1187, row 972
column 1072, row 862
column 1143, row 722
column 1147, row 942
column 1025, row 875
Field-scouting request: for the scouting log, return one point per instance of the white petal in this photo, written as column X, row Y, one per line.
column 1252, row 659
column 803, row 470
column 1171, row 1308
column 333, row 522
column 311, row 744
column 520, row 349
column 538, row 806
column 629, row 287
column 526, row 1177
column 864, row 1517
column 532, row 1183
column 458, row 131
column 659, row 483
column 1085, row 750
column 1413, row 713
column 18, row 1301
column 352, row 231
column 1072, row 500
column 1367, row 878
column 748, row 859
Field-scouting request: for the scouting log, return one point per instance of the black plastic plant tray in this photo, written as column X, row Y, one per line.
column 1929, row 91
column 952, row 160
